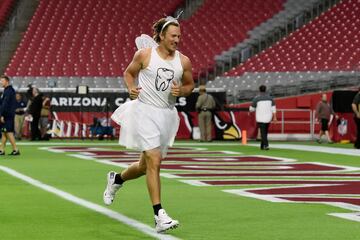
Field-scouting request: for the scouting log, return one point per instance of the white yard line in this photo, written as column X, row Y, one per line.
column 92, row 206
column 308, row 148
column 331, row 150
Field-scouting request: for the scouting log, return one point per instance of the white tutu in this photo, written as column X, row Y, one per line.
column 145, row 127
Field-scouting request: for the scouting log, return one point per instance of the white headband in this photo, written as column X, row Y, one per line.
column 170, row 19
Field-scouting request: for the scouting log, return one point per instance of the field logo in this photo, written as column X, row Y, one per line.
column 285, row 180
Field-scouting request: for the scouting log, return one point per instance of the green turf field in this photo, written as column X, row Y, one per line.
column 204, row 212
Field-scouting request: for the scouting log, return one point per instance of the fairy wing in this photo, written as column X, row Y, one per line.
column 145, row 41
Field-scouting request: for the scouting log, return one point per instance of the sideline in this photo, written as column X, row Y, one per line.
column 331, row 150
column 308, row 148
column 92, row 206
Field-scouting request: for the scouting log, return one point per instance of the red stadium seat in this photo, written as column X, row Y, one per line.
column 96, row 38
column 6, row 7
column 330, row 42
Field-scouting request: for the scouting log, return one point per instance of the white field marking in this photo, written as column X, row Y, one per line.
column 69, row 143
column 308, row 148
column 350, row 196
column 82, row 156
column 280, row 182
column 195, row 183
column 349, row 216
column 271, row 197
column 237, row 167
column 282, row 159
column 88, row 156
column 280, row 198
column 124, row 165
column 232, row 152
column 331, row 150
column 271, row 177
column 87, row 204
column 244, row 193
column 117, row 164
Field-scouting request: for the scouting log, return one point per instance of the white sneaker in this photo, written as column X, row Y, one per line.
column 111, row 188
column 163, row 222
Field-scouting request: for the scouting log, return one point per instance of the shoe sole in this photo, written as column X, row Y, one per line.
column 176, row 225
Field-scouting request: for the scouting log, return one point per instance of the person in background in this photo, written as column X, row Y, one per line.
column 356, row 109
column 205, row 104
column 19, row 116
column 44, row 117
column 7, row 116
column 265, row 108
column 35, row 111
column 324, row 113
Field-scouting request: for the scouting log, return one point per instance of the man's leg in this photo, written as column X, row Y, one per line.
column 35, row 131
column 21, row 126
column 202, row 126
column 3, row 142
column 153, row 161
column 115, row 181
column 357, row 142
column 10, row 136
column 135, row 170
column 208, row 126
column 262, row 134
column 321, row 133
column 17, row 125
column 327, row 134
column 266, row 130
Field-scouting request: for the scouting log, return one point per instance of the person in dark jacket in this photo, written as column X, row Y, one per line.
column 7, row 116
column 35, row 112
column 356, row 108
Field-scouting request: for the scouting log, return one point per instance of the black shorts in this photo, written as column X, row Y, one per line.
column 8, row 125
column 324, row 124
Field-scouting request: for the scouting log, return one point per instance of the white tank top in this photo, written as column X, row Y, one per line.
column 156, row 80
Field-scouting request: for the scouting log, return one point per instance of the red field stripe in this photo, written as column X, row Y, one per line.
column 268, row 174
column 265, row 182
column 232, row 167
column 341, row 187
column 355, row 201
column 223, row 159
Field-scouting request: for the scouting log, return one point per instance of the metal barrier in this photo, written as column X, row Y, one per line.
column 285, row 122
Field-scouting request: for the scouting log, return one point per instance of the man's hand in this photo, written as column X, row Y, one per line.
column 134, row 92
column 175, row 89
column 2, row 119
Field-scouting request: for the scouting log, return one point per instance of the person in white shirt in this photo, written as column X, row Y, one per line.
column 149, row 123
column 265, row 109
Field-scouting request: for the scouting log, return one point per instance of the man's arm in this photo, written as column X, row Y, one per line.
column 4, row 103
column 274, row 118
column 132, row 72
column 199, row 102
column 355, row 110
column 187, row 80
column 252, row 107
column 212, row 102
column 273, row 109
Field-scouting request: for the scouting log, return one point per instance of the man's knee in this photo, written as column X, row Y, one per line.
column 153, row 159
column 142, row 167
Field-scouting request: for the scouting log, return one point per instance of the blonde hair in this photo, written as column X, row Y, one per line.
column 158, row 28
